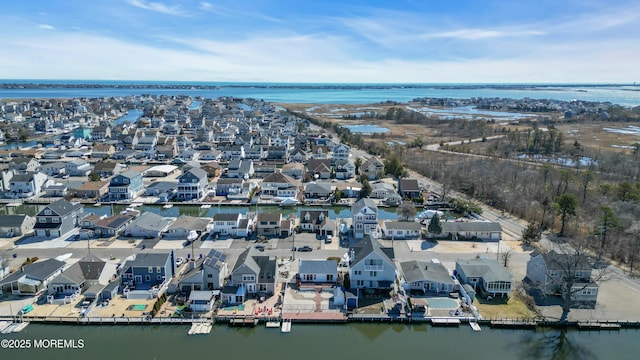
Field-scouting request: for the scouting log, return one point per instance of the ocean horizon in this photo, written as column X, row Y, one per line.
column 318, row 93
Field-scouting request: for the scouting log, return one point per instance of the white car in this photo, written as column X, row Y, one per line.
column 179, row 261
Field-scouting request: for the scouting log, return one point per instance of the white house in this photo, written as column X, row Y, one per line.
column 371, row 265
column 364, row 218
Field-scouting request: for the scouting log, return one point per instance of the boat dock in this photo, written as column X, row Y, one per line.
column 200, row 328
column 286, row 326
column 9, row 327
column 273, row 324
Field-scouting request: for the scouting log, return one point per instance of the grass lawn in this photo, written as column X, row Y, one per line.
column 502, row 308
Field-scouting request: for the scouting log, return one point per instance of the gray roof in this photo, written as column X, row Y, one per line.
column 215, row 259
column 425, row 271
column 369, row 245
column 85, row 269
column 151, row 221
column 258, row 264
column 190, row 222
column 225, row 217
column 402, row 225
column 39, row 270
column 488, row 269
column 130, row 174
column 571, row 262
column 362, row 203
column 148, row 259
column 62, row 207
column 473, row 226
column 197, row 172
column 12, row 221
column 318, row 267
column 201, row 295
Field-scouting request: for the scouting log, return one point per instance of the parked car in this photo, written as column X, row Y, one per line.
column 260, row 247
column 305, row 248
column 329, row 239
column 179, row 261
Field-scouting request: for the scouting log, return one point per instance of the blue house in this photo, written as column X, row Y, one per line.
column 146, row 271
column 125, row 186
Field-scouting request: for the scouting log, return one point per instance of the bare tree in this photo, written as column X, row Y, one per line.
column 570, row 273
column 506, row 256
column 407, row 210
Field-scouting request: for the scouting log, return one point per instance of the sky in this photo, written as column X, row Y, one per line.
column 326, row 41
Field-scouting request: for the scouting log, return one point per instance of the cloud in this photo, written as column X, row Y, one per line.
column 480, row 34
column 158, row 7
column 45, row 27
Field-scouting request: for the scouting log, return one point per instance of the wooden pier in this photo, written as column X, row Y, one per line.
column 286, row 326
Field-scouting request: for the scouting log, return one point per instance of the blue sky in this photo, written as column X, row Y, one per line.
column 416, row 41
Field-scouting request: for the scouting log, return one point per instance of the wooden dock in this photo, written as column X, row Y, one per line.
column 286, row 326
column 513, row 324
column 594, row 325
column 13, row 327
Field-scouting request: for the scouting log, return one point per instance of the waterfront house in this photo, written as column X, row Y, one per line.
column 364, row 218
column 371, row 265
column 26, row 184
column 426, row 276
column 225, row 186
column 207, row 273
column 323, row 272
column 235, row 225
column 92, row 190
column 88, row 277
column 184, row 225
column 112, row 225
column 192, row 184
column 31, row 279
column 77, row 167
column 409, row 189
column 280, row 185
column 55, row 189
column 148, row 225
column 57, row 219
column 16, row 225
column 253, row 273
column 145, row 273
column 313, row 220
column 401, row 230
column 321, row 191
column 548, row 272
column 382, row 190
column 472, row 230
column 125, row 186
column 373, row 168
column 268, row 224
column 487, row 276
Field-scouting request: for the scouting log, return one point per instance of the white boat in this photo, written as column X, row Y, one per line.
column 286, row 326
column 288, row 202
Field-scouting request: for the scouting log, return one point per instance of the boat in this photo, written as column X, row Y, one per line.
column 288, row 202
column 167, row 206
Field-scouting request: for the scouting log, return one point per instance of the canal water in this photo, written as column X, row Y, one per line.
column 311, row 341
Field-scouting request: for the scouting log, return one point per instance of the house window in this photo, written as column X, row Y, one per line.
column 359, row 282
column 150, row 269
column 147, row 278
column 42, row 220
column 209, row 276
column 330, row 277
column 248, row 277
column 373, row 274
column 158, row 269
column 47, row 212
column 159, row 277
column 55, row 220
column 357, row 272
